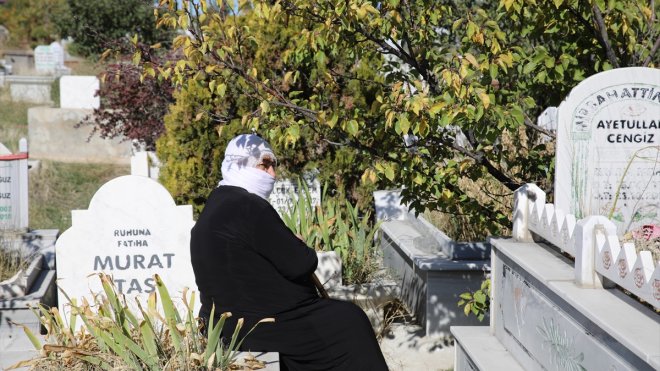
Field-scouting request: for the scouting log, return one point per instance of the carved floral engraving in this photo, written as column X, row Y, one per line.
column 607, row 260
column 638, row 277
column 561, row 346
column 623, row 270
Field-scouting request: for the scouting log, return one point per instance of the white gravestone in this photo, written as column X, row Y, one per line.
column 145, row 163
column 79, row 92
column 608, row 148
column 286, row 192
column 389, row 205
column 49, row 58
column 131, row 231
column 14, row 188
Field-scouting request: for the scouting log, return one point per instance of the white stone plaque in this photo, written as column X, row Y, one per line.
column 79, row 92
column 44, row 59
column 132, row 230
column 286, row 192
column 14, row 189
column 608, row 148
column 548, row 338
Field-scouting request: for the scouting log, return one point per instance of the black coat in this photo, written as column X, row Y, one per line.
column 246, row 261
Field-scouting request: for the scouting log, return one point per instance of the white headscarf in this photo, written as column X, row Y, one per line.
column 242, row 155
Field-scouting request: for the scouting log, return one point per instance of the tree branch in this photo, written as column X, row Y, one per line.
column 648, row 59
column 604, row 39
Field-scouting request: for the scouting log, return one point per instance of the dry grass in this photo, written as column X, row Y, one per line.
column 56, row 188
column 11, row 259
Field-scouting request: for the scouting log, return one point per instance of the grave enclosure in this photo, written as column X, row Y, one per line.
column 14, row 188
column 35, row 284
column 558, row 299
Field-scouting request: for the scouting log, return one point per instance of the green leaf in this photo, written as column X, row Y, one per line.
column 352, row 127
column 518, row 115
column 403, row 124
column 529, row 67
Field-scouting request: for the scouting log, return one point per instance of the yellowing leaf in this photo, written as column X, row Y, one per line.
column 485, row 99
column 220, row 90
column 470, row 58
column 264, row 106
column 389, row 172
column 287, row 77
column 436, row 108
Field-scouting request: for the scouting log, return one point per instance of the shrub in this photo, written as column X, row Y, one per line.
column 112, row 336
column 336, row 225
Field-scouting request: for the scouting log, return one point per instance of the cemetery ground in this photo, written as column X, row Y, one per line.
column 56, row 188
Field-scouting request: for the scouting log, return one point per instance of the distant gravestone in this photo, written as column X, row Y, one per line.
column 132, row 230
column 389, row 205
column 14, row 188
column 286, row 192
column 48, row 58
column 145, row 163
column 608, row 148
column 79, row 92
column 4, row 34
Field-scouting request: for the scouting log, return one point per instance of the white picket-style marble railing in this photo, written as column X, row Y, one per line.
column 593, row 242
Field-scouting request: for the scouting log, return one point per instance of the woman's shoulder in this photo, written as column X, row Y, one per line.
column 231, row 194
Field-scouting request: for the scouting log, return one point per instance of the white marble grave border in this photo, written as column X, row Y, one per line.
column 593, row 242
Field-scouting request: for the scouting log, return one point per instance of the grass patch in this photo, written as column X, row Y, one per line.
column 12, row 259
column 13, row 121
column 56, row 188
column 85, row 67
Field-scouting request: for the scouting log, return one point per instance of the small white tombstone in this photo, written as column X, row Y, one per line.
column 548, row 121
column 145, row 163
column 58, row 54
column 389, row 206
column 44, row 60
column 132, row 230
column 49, row 59
column 286, row 192
column 608, row 148
column 79, row 92
column 14, row 188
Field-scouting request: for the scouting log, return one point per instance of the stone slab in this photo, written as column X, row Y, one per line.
column 79, row 92
column 52, row 136
column 545, row 320
column 540, row 262
column 639, row 332
column 30, row 89
column 430, row 284
column 478, row 349
column 455, row 250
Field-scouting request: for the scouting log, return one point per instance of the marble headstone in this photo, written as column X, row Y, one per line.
column 14, row 188
column 132, row 230
column 608, row 148
column 48, row 58
column 79, row 92
column 286, row 192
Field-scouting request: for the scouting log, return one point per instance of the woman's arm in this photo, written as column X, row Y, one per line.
column 277, row 243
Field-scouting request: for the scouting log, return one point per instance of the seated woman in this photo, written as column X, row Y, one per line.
column 248, row 262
